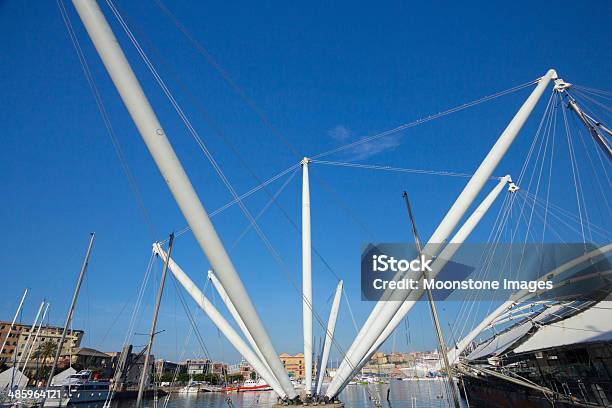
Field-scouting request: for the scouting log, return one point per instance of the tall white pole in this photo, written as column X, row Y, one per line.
column 232, row 309
column 405, row 306
column 25, row 292
column 218, row 320
column 25, row 364
column 329, row 336
column 384, row 310
column 382, row 314
column 462, row 234
column 177, row 180
column 306, row 277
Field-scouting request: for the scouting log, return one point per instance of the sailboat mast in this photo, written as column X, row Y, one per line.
column 158, row 298
column 591, row 127
column 176, row 179
column 25, row 292
column 449, row 251
column 27, row 343
column 75, row 296
column 432, row 306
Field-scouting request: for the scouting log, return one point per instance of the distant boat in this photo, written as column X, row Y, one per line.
column 250, row 385
column 191, row 388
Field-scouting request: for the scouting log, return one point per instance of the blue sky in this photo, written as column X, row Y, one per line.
column 325, row 74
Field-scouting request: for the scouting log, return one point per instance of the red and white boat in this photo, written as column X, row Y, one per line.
column 249, row 385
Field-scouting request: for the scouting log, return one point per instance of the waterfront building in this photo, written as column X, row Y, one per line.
column 17, row 338
column 198, row 366
column 166, row 367
column 242, row 368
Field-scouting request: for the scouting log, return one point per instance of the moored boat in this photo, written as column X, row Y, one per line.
column 249, row 385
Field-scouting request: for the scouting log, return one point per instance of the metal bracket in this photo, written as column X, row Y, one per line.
column 561, row 85
column 513, row 188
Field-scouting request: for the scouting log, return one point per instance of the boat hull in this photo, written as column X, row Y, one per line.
column 492, row 393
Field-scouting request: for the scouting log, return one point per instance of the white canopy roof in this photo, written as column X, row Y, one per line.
column 6, row 377
column 59, row 378
column 594, row 324
column 500, row 343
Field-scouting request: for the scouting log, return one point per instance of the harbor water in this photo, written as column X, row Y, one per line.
column 424, row 393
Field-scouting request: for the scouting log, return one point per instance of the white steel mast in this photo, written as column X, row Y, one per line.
column 306, row 277
column 459, row 237
column 329, row 336
column 176, row 179
column 384, row 311
column 232, row 309
column 224, row 326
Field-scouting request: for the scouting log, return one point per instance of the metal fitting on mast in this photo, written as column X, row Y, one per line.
column 561, row 85
column 512, row 187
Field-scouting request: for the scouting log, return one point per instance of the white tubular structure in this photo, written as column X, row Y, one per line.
column 384, row 311
column 25, row 292
column 25, row 364
column 232, row 336
column 519, row 297
column 329, row 336
column 447, row 254
column 177, row 180
column 27, row 343
column 232, row 309
column 306, row 277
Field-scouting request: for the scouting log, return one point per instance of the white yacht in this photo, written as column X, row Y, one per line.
column 77, row 388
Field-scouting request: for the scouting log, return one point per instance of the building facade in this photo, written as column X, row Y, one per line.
column 243, row 368
column 18, row 345
column 294, row 365
column 198, row 366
